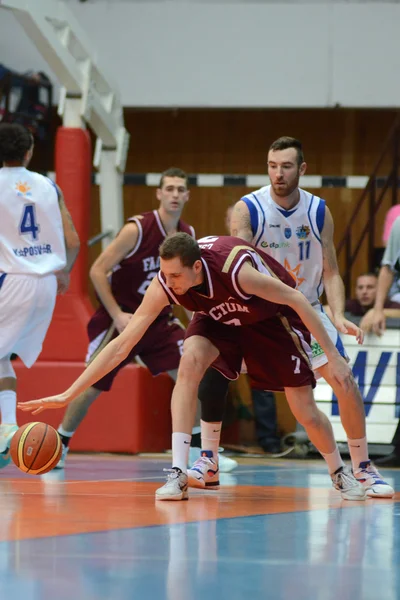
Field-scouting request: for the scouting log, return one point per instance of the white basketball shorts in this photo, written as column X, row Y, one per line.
column 26, row 308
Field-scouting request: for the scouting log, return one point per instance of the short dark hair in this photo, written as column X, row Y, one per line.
column 173, row 172
column 368, row 274
column 180, row 245
column 285, row 142
column 15, row 141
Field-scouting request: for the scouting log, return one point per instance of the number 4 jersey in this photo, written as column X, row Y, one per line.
column 133, row 275
column 31, row 231
column 292, row 237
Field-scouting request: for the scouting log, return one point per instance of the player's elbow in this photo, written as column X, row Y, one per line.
column 122, row 349
column 73, row 242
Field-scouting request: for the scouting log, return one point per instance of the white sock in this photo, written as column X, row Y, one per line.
column 180, row 450
column 62, row 431
column 358, row 451
column 333, row 460
column 210, row 437
column 8, row 407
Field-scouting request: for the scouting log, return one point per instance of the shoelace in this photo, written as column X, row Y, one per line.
column 371, row 473
column 203, row 460
column 346, row 478
column 172, row 474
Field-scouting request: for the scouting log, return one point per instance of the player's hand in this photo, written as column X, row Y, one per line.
column 122, row 320
column 349, row 328
column 340, row 370
column 63, row 279
column 374, row 321
column 36, row 406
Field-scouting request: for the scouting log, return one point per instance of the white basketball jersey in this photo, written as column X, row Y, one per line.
column 292, row 237
column 31, row 231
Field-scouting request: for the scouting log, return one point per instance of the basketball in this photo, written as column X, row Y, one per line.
column 36, row 448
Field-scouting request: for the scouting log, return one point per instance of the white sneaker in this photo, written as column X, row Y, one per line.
column 61, row 462
column 226, row 464
column 176, row 487
column 6, row 434
column 372, row 481
column 344, row 481
column 205, row 472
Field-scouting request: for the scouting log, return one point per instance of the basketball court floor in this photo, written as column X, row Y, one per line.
column 275, row 529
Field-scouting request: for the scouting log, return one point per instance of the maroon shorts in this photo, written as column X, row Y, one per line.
column 160, row 348
column 276, row 355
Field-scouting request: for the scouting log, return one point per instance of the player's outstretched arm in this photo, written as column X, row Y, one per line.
column 240, row 222
column 115, row 352
column 254, row 283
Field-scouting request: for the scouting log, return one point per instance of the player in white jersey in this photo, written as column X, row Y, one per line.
column 296, row 228
column 38, row 246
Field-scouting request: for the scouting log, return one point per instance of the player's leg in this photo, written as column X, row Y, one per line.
column 101, row 332
column 204, row 473
column 352, row 415
column 364, row 471
column 198, row 354
column 319, row 430
column 8, row 403
column 22, row 332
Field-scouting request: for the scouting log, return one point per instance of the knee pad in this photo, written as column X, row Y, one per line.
column 6, row 368
column 213, row 390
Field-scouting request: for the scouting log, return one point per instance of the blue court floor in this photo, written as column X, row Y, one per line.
column 275, row 530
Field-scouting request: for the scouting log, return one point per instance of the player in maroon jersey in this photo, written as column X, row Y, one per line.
column 133, row 260
column 246, row 311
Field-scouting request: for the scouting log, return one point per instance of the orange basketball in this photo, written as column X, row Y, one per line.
column 36, row 448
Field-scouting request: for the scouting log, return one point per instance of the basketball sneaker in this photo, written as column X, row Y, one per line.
column 226, row 464
column 344, row 481
column 6, row 435
column 205, row 472
column 176, row 487
column 61, row 462
column 372, row 481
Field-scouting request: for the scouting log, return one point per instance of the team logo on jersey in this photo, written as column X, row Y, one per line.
column 294, row 272
column 275, row 245
column 303, row 232
column 288, row 233
column 22, row 189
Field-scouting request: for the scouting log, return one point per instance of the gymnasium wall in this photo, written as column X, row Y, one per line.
column 236, row 53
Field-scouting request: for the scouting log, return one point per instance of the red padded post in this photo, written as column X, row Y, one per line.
column 67, row 338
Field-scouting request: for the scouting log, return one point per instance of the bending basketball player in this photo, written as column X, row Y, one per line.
column 246, row 307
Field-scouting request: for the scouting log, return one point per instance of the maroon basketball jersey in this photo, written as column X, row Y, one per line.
column 133, row 275
column 222, row 298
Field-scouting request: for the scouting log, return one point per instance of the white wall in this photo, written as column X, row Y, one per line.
column 236, row 53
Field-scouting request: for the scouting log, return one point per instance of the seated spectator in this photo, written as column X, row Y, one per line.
column 364, row 300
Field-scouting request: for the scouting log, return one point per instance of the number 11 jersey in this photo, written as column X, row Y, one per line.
column 292, row 237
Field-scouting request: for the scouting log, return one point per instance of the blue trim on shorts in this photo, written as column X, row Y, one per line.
column 340, row 347
column 2, row 278
column 253, row 215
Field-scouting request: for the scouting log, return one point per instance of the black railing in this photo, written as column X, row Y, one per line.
column 374, row 196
